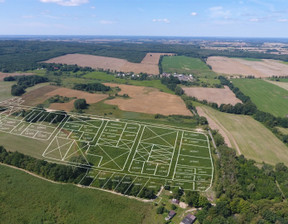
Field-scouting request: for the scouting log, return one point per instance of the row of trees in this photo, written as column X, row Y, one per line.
column 65, row 68
column 50, row 171
column 92, row 87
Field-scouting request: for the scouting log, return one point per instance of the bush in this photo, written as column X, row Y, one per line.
column 80, row 104
column 17, row 90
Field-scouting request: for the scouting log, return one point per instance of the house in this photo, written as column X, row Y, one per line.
column 175, row 201
column 189, row 219
column 171, row 214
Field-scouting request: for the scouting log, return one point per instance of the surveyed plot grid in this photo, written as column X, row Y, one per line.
column 143, row 155
column 29, row 122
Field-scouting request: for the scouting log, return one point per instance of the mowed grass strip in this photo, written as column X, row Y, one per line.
column 254, row 139
column 27, row 199
column 5, row 90
column 187, row 65
column 267, row 97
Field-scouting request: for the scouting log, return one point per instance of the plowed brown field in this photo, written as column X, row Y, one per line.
column 237, row 66
column 213, row 95
column 148, row 65
column 148, row 100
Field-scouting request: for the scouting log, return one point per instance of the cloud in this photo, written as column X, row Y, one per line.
column 254, row 20
column 161, row 20
column 193, row 14
column 66, row 2
column 2, row 1
column 282, row 20
column 106, row 22
column 219, row 12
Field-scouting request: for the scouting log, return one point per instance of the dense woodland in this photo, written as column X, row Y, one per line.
column 92, row 87
column 20, row 55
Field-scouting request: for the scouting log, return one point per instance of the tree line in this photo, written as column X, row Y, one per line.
column 23, row 82
column 52, row 171
column 92, row 87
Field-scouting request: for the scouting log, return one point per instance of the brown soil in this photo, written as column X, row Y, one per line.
column 148, row 65
column 41, row 94
column 214, row 95
column 4, row 75
column 148, row 100
column 236, row 66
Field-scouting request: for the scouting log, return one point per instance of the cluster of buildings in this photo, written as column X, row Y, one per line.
column 181, row 77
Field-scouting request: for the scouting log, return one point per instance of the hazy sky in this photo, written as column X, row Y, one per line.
column 240, row 18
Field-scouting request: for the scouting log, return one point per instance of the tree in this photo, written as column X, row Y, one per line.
column 17, row 90
column 80, row 104
column 160, row 210
column 192, row 198
column 179, row 91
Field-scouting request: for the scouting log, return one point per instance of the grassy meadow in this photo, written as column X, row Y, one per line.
column 186, row 65
column 27, row 199
column 5, row 90
column 254, row 139
column 267, row 96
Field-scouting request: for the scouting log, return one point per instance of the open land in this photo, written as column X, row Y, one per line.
column 267, row 97
column 43, row 93
column 148, row 100
column 5, row 90
column 63, row 203
column 4, row 75
column 283, row 130
column 237, row 66
column 283, row 85
column 250, row 137
column 146, row 154
column 186, row 65
column 148, row 65
column 214, row 95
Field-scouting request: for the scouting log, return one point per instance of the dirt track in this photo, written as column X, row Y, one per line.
column 237, row 66
column 148, row 65
column 148, row 100
column 215, row 95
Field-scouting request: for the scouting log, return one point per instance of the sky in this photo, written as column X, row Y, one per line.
column 202, row 18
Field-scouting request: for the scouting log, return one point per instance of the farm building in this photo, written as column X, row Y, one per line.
column 171, row 214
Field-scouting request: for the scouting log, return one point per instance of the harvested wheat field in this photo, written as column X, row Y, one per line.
column 148, row 100
column 148, row 65
column 38, row 96
column 213, row 95
column 4, row 75
column 236, row 66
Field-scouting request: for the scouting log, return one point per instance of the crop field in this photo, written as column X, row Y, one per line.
column 186, row 65
column 118, row 153
column 283, row 85
column 267, row 97
column 5, row 90
column 214, row 95
column 148, row 65
column 148, row 100
column 238, row 66
column 248, row 136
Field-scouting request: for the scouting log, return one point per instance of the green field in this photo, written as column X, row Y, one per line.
column 254, row 140
column 143, row 154
column 251, row 59
column 27, row 199
column 5, row 90
column 187, row 65
column 267, row 96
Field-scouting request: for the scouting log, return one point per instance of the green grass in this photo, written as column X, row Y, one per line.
column 27, row 199
column 283, row 130
column 267, row 96
column 254, row 139
column 187, row 65
column 5, row 90
column 279, row 79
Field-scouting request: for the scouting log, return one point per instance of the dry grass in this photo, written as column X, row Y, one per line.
column 237, row 66
column 248, row 136
column 148, row 65
column 214, row 95
column 4, row 75
column 41, row 94
column 283, row 85
column 148, row 100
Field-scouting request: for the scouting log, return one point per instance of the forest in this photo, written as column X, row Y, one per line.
column 21, row 55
